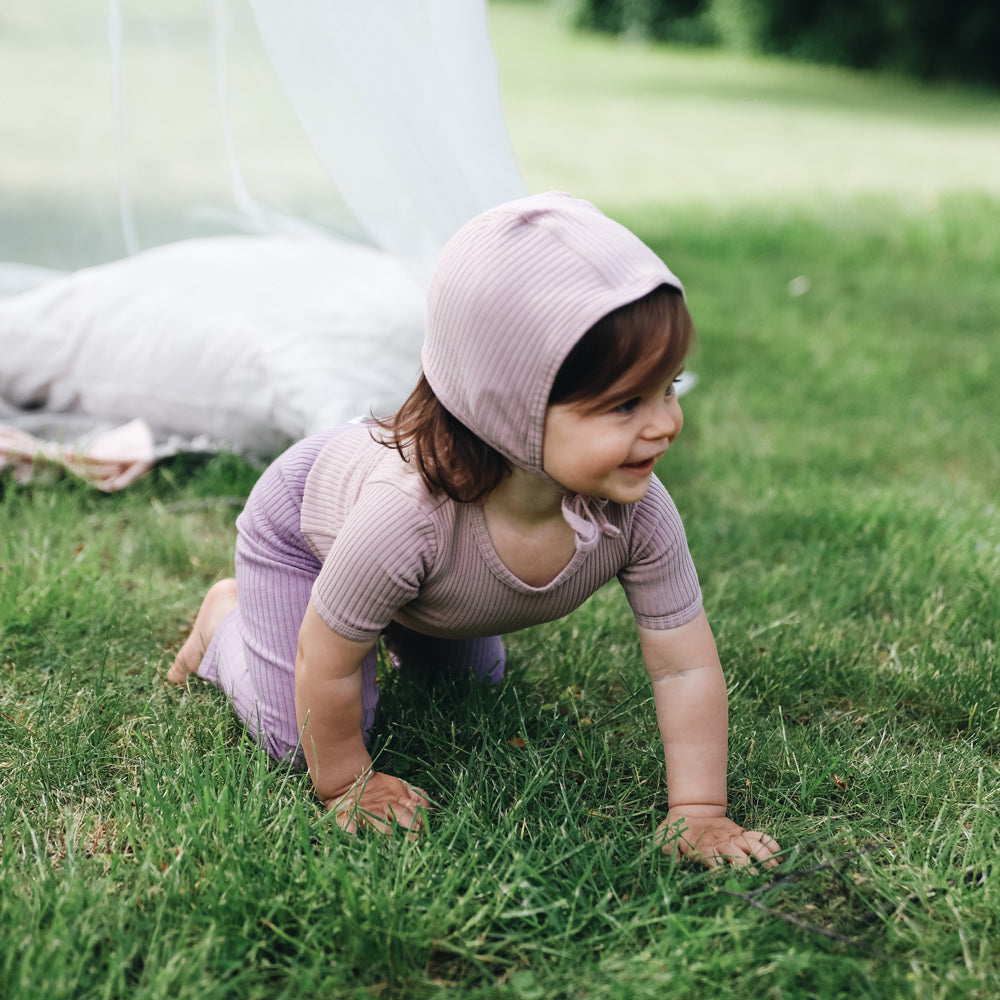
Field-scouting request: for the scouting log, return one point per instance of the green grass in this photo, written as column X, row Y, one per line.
column 837, row 476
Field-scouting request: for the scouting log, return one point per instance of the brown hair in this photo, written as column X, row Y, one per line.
column 618, row 355
column 634, row 345
column 449, row 457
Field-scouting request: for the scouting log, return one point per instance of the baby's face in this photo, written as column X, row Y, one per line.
column 611, row 451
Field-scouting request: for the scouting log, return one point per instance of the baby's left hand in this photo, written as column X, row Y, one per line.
column 713, row 840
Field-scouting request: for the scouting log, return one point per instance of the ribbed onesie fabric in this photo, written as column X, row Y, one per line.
column 251, row 657
column 393, row 552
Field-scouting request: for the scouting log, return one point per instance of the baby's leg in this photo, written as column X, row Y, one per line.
column 251, row 656
column 258, row 672
column 255, row 653
column 275, row 572
column 218, row 603
column 484, row 657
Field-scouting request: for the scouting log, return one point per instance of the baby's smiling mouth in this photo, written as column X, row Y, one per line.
column 644, row 466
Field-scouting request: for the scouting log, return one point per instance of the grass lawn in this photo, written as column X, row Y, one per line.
column 838, row 476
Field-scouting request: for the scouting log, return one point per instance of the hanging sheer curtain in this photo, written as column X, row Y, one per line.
column 265, row 186
column 400, row 102
column 130, row 123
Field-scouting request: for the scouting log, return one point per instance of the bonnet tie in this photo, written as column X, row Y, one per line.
column 585, row 515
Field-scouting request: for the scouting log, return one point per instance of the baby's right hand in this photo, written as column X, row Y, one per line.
column 380, row 801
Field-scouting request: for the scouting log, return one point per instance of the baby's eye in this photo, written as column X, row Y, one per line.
column 628, row 406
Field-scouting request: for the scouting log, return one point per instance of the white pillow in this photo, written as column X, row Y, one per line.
column 253, row 341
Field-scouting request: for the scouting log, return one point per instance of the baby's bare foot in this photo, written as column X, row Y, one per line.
column 218, row 602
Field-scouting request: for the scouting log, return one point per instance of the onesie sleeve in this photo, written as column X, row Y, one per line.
column 376, row 564
column 660, row 580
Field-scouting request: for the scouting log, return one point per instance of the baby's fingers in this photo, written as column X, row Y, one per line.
column 748, row 849
column 408, row 813
column 352, row 818
column 763, row 847
column 381, row 809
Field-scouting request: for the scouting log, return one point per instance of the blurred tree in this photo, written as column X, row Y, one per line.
column 929, row 39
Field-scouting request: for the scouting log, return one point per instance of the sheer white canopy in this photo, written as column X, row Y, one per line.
column 217, row 219
column 402, row 110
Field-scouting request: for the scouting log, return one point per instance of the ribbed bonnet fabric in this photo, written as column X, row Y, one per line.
column 513, row 292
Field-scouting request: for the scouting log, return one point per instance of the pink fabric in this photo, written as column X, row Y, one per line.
column 585, row 516
column 390, row 551
column 513, row 292
column 251, row 658
column 110, row 461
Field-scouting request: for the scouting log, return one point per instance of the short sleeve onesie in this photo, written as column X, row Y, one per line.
column 392, row 551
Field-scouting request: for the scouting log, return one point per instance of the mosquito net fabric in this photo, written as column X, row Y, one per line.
column 217, row 219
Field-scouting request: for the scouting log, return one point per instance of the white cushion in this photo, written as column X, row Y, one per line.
column 253, row 341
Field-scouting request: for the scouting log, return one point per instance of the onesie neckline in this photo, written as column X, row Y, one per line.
column 499, row 569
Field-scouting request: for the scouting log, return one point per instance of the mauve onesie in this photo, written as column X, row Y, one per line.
column 343, row 520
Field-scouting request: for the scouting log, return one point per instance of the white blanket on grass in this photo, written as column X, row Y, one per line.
column 242, row 343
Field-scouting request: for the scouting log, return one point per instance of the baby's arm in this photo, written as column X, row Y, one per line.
column 328, row 711
column 689, row 691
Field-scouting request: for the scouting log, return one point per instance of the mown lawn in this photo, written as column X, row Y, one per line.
column 837, row 475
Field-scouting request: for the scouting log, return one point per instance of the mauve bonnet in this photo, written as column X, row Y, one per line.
column 512, row 292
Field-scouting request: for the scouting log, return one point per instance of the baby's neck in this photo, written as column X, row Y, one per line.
column 526, row 498
column 526, row 526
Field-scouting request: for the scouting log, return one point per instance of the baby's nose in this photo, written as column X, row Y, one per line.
column 667, row 420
